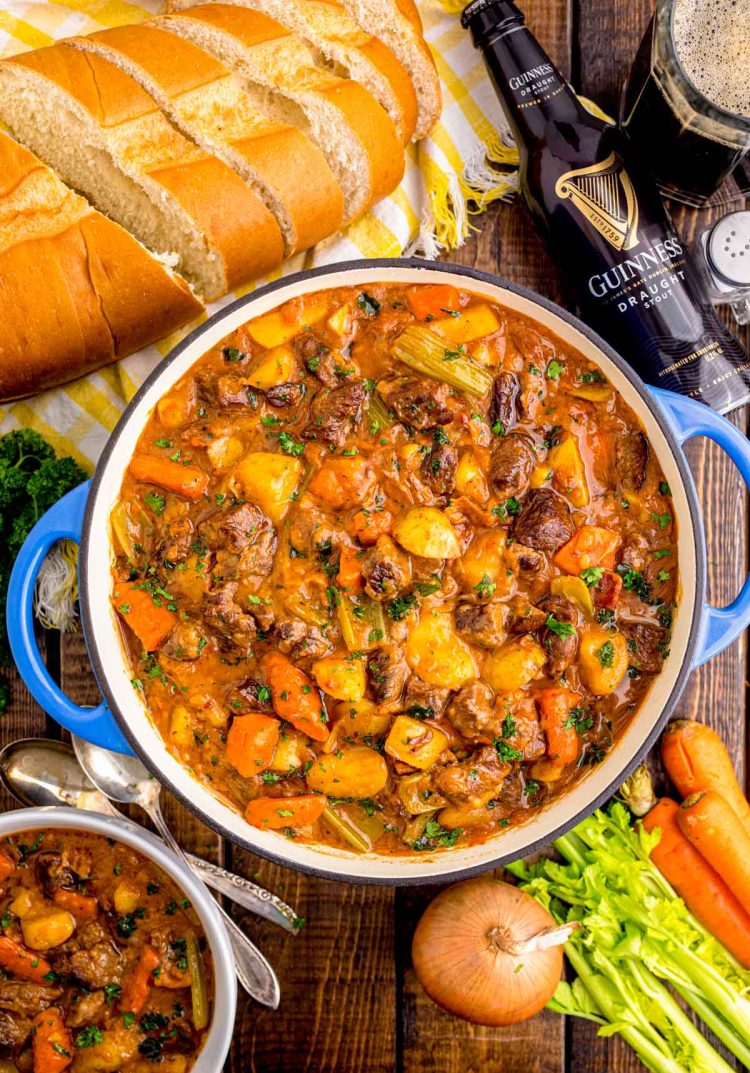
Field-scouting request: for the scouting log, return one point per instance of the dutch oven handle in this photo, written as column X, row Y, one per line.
column 62, row 521
column 688, row 419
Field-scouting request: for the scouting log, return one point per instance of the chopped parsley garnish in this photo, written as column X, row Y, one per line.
column 289, row 445
column 606, row 654
column 592, row 377
column 400, row 606
column 486, row 586
column 156, row 502
column 506, row 752
column 562, row 629
column 89, row 1036
column 592, row 576
column 112, row 993
column 663, row 519
column 454, row 355
column 231, row 353
column 436, row 835
column 368, row 304
column 127, row 924
column 664, row 489
column 555, row 369
column 579, row 718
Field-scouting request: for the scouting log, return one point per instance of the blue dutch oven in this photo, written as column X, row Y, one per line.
column 121, row 721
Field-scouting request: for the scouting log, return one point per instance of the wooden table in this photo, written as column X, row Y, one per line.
column 350, row 1000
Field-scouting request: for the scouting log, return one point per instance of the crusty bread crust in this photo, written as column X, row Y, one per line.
column 290, row 169
column 236, row 223
column 76, row 290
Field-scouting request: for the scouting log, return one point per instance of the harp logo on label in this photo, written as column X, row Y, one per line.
column 604, row 194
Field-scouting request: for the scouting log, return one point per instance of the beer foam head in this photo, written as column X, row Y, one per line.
column 712, row 40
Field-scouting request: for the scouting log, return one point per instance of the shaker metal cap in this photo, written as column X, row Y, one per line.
column 728, row 248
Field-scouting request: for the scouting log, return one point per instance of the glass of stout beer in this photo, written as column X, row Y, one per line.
column 687, row 102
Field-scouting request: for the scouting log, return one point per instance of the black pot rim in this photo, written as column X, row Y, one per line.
column 500, row 858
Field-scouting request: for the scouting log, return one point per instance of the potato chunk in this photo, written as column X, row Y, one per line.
column 343, row 679
column 472, row 323
column 45, row 932
column 568, row 471
column 352, row 772
column 602, row 660
column 280, row 325
column 426, row 531
column 269, row 480
column 361, row 719
column 437, row 654
column 514, row 664
column 414, row 742
column 278, row 366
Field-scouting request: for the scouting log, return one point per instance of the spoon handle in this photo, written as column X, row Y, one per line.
column 253, row 971
column 240, row 890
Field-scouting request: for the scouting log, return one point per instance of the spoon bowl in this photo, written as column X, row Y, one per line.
column 121, row 777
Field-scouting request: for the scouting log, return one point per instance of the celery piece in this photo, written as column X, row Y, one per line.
column 352, row 823
column 425, row 352
column 362, row 622
column 198, row 993
column 378, row 414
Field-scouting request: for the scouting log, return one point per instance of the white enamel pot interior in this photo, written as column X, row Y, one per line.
column 216, row 1047
column 114, row 675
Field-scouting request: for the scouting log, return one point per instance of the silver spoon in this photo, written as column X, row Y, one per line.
column 40, row 771
column 125, row 779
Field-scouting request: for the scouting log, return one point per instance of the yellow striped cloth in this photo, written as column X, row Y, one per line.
column 449, row 176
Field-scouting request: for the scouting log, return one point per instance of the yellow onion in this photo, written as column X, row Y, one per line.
column 489, row 953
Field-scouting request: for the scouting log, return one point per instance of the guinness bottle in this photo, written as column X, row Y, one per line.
column 605, row 223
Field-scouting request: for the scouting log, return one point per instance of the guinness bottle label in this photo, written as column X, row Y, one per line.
column 604, row 195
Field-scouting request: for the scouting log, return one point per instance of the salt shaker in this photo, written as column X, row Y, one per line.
column 723, row 254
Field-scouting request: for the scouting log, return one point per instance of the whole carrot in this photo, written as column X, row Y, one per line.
column 696, row 759
column 716, row 832
column 702, row 890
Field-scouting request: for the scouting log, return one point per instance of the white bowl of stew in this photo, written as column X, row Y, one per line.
column 389, row 592
column 114, row 954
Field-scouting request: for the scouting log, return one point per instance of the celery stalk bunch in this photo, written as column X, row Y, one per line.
column 636, row 938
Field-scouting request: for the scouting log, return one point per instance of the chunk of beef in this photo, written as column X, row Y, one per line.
column 523, row 560
column 387, row 672
column 503, row 410
column 178, row 536
column 234, row 529
column 317, row 358
column 26, row 999
column 295, row 637
column 473, row 781
column 645, row 644
column 386, row 570
column 283, row 395
column 99, row 965
column 50, row 873
column 481, row 623
column 511, row 462
column 230, row 623
column 256, row 563
column 560, row 646
column 247, row 696
column 14, row 1031
column 520, row 728
column 335, row 413
column 438, row 468
column 185, row 642
column 419, row 403
column 231, row 391
column 310, row 528
column 472, row 713
column 544, row 521
column 423, row 699
column 523, row 617
column 88, row 1010
column 631, row 460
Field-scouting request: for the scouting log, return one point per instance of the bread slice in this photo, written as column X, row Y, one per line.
column 398, row 25
column 231, row 115
column 106, row 137
column 77, row 290
column 349, row 51
column 212, row 107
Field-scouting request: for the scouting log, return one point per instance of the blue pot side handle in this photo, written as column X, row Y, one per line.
column 688, row 419
column 63, row 521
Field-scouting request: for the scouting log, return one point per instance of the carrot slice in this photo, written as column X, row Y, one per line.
column 350, row 570
column 591, row 545
column 251, row 742
column 52, row 1045
column 81, row 906
column 138, row 982
column 295, row 696
column 151, row 622
column 368, row 525
column 341, row 482
column 434, row 299
column 696, row 759
column 187, row 481
column 276, row 813
column 7, row 867
column 709, row 823
column 555, row 705
column 701, row 888
column 23, row 963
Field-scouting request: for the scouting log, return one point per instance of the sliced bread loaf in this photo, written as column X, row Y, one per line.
column 398, row 24
column 349, row 51
column 77, row 291
column 106, row 137
column 212, row 107
column 322, row 118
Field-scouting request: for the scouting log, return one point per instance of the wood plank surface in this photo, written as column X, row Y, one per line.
column 350, row 1000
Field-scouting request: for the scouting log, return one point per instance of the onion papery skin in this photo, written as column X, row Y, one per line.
column 459, row 957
